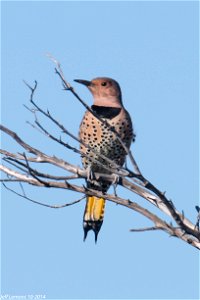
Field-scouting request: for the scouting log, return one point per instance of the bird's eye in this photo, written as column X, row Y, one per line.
column 104, row 83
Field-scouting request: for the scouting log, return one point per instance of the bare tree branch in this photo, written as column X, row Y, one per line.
column 23, row 168
column 43, row 204
column 67, row 86
column 145, row 229
column 132, row 205
column 41, row 157
column 64, row 130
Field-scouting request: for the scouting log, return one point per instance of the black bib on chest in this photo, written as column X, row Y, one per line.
column 105, row 111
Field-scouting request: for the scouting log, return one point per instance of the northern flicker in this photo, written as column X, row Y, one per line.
column 108, row 106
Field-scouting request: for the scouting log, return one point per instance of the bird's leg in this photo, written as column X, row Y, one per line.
column 126, row 164
column 115, row 183
column 198, row 217
column 90, row 174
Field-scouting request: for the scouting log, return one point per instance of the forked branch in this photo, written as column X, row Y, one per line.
column 23, row 168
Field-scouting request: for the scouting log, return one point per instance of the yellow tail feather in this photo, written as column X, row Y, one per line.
column 93, row 216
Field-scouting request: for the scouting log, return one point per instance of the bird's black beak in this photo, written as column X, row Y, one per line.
column 84, row 82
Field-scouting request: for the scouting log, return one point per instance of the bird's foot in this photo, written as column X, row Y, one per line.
column 90, row 174
column 115, row 183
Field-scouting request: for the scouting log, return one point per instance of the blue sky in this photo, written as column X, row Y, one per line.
column 151, row 49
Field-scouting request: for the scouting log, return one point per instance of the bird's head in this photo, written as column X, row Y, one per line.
column 106, row 91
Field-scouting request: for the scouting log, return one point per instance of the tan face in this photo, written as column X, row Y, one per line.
column 105, row 88
column 105, row 91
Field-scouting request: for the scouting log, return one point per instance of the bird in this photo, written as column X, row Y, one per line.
column 108, row 106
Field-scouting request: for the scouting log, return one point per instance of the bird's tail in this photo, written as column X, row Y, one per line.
column 93, row 215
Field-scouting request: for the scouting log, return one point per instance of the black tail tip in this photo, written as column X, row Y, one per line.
column 85, row 234
column 95, row 235
column 95, row 227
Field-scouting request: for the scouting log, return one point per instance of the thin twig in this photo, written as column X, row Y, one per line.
column 40, row 203
column 68, row 87
column 115, row 168
column 74, row 149
column 155, row 200
column 145, row 229
column 37, row 173
column 32, row 173
column 186, row 231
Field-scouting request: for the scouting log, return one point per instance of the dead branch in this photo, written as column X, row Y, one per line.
column 83, row 174
column 141, row 191
column 67, row 86
column 40, row 203
column 145, row 229
column 159, row 223
column 22, row 170
column 113, row 166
